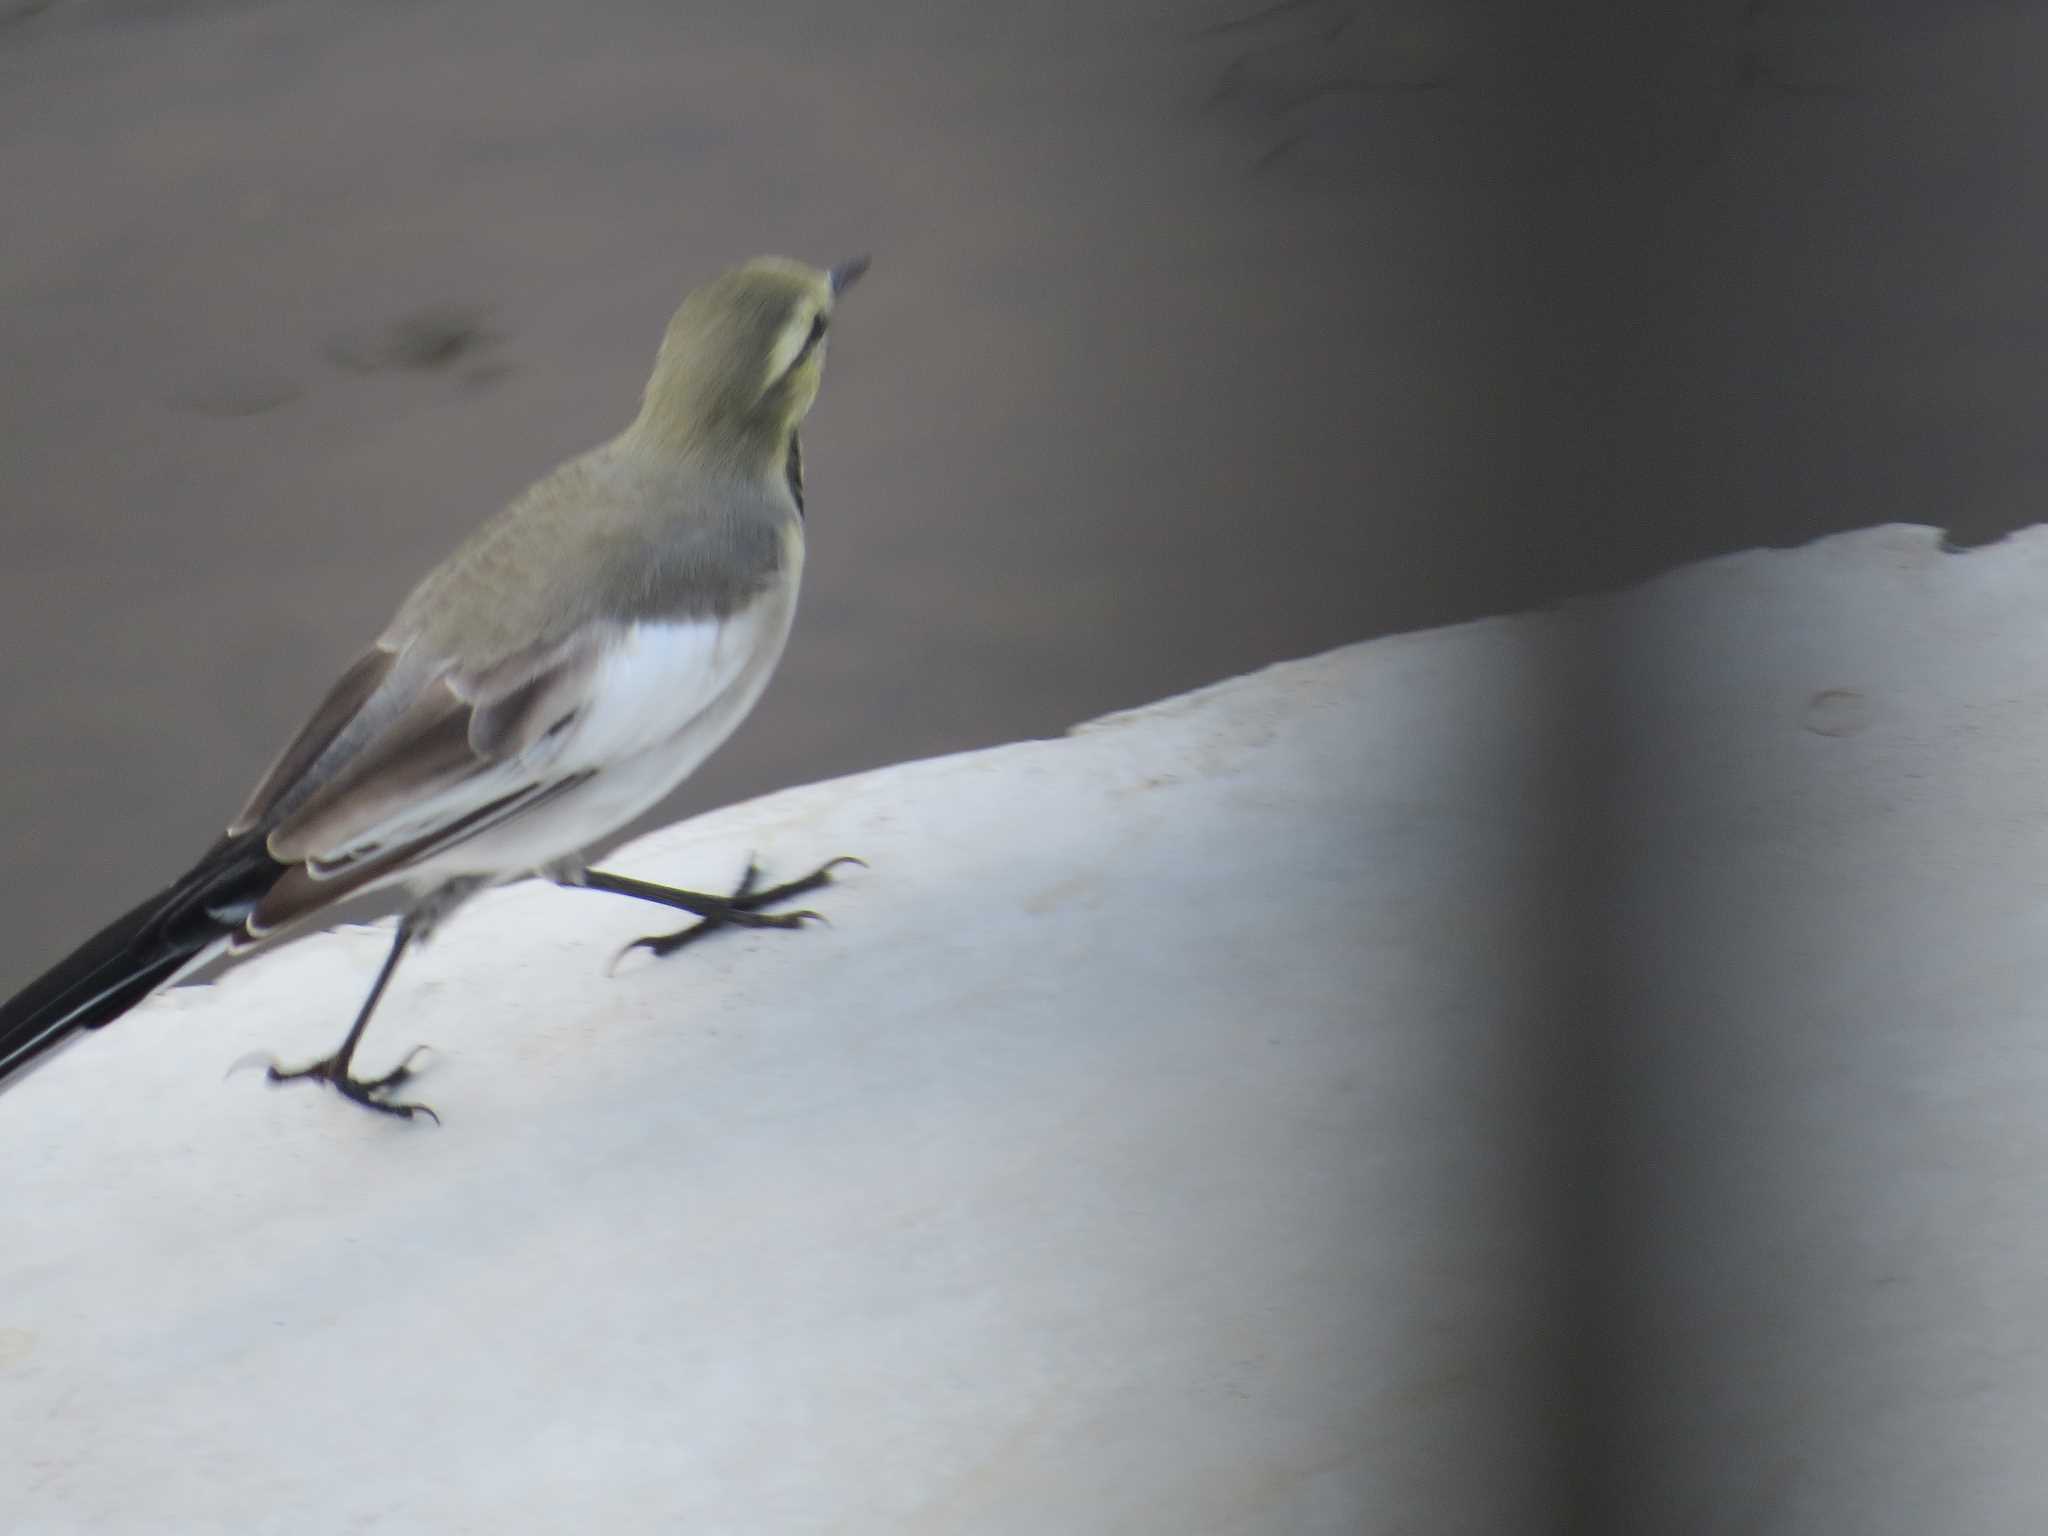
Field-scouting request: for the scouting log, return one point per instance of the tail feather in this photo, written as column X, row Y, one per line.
column 135, row 954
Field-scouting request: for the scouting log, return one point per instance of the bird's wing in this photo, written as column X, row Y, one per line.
column 463, row 751
column 342, row 706
column 449, row 743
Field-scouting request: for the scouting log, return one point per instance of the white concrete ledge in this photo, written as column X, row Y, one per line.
column 1162, row 1137
column 1040, row 1192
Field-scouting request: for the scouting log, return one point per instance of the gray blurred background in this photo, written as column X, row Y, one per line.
column 1199, row 335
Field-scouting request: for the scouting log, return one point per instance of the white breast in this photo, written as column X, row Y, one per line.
column 655, row 680
column 662, row 698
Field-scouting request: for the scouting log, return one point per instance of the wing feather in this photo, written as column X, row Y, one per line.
column 343, row 703
column 458, row 745
column 305, row 889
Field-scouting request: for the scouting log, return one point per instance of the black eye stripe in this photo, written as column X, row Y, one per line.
column 811, row 341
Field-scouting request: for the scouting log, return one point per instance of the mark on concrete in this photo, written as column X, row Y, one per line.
column 426, row 341
column 229, row 398
column 16, row 1344
column 1837, row 712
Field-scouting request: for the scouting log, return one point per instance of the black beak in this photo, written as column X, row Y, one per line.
column 846, row 274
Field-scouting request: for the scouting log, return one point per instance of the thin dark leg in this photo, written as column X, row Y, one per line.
column 334, row 1070
column 742, row 909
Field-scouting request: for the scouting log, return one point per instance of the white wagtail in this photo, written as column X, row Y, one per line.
column 556, row 676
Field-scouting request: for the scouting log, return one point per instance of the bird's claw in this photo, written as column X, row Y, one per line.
column 364, row 1091
column 742, row 909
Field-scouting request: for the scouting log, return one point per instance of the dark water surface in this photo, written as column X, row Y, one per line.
column 1198, row 336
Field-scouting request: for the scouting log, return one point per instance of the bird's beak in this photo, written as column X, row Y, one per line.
column 846, row 274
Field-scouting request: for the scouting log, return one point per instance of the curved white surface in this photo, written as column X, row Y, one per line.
column 1045, row 1190
column 1187, row 1126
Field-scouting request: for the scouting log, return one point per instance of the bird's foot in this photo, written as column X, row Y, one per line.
column 742, row 909
column 368, row 1092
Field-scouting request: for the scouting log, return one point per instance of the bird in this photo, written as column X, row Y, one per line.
column 568, row 665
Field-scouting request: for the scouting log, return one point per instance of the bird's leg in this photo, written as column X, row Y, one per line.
column 742, row 909
column 334, row 1070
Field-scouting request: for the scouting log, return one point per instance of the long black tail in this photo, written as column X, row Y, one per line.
column 136, row 953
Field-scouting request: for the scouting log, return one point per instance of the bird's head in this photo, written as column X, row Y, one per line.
column 742, row 360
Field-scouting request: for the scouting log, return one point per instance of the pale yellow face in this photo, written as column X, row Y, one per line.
column 796, row 363
column 745, row 354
